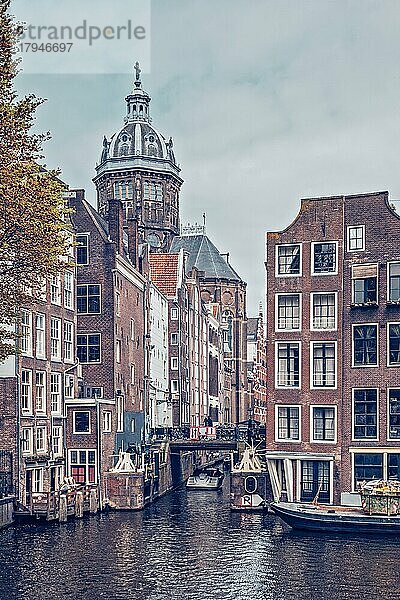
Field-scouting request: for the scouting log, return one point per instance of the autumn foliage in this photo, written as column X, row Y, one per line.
column 34, row 223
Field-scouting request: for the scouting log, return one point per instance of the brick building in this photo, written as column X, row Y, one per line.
column 167, row 272
column 333, row 344
column 221, row 284
column 257, row 367
column 35, row 384
column 109, row 412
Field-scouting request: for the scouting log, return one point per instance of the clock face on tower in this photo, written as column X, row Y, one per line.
column 153, row 240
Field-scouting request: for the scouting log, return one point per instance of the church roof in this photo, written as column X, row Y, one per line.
column 252, row 328
column 204, row 256
column 164, row 272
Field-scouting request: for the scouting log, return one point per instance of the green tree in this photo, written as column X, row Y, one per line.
column 34, row 221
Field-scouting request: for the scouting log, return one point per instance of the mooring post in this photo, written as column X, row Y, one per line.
column 93, row 501
column 79, row 504
column 63, row 510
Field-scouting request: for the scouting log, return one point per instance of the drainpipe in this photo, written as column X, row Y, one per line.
column 99, row 454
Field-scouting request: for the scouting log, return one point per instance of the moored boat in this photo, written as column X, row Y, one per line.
column 206, row 479
column 334, row 519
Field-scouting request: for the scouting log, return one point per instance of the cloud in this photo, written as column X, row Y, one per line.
column 267, row 101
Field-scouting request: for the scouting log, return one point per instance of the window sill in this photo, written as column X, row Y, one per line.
column 364, row 305
column 393, row 302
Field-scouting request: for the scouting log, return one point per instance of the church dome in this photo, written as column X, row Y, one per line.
column 138, row 137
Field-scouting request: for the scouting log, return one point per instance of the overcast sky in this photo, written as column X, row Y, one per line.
column 267, row 101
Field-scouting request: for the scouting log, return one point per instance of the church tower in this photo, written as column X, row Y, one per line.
column 138, row 166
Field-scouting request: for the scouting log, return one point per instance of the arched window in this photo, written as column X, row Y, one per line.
column 151, row 150
column 227, row 321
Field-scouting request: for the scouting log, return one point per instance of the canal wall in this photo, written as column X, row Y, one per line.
column 6, row 511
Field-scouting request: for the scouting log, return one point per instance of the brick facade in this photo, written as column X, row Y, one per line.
column 319, row 448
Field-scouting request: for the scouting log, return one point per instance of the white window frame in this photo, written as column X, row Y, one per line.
column 285, row 440
column 28, row 410
column 277, row 295
column 133, row 330
column 354, row 278
column 391, row 262
column 69, row 341
column 311, row 414
column 282, row 387
column 366, row 440
column 389, row 438
column 120, row 409
column 69, row 384
column 43, row 387
column 354, row 366
column 87, row 236
column 107, row 421
column 55, row 290
column 174, row 313
column 174, row 363
column 43, row 448
column 69, row 290
column 133, row 374
column 40, row 336
column 300, row 273
column 117, row 303
column 349, row 227
column 327, row 273
column 28, row 337
column 55, row 377
column 320, row 293
column 388, row 364
column 74, row 412
column 29, row 450
column 118, row 351
column 87, row 286
column 57, row 451
column 316, row 387
column 55, row 340
column 92, row 362
column 177, row 339
column 174, row 386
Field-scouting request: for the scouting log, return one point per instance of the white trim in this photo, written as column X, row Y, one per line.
column 353, row 438
column 353, row 278
column 124, row 268
column 390, row 439
column 73, row 423
column 87, row 235
column 311, row 416
column 388, row 364
column 87, row 297
column 288, row 440
column 390, row 262
column 300, row 273
column 352, row 346
column 277, row 311
column 324, row 273
column 289, row 387
column 321, row 293
column 348, row 238
column 319, row 387
column 92, row 362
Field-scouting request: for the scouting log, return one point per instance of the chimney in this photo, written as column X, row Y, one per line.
column 116, row 223
column 133, row 240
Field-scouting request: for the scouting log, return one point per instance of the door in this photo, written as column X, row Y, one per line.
column 315, row 477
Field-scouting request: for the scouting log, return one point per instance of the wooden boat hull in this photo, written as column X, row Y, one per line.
column 333, row 519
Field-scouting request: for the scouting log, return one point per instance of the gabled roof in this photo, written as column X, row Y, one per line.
column 164, row 272
column 204, row 256
column 98, row 220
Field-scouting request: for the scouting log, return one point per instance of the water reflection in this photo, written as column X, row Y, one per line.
column 191, row 547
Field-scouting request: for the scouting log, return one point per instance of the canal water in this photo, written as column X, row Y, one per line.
column 189, row 546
